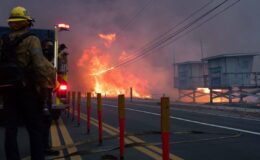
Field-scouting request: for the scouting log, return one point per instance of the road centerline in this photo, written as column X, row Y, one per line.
column 68, row 140
column 55, row 139
column 151, row 151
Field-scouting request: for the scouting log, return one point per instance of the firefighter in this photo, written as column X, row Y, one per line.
column 62, row 59
column 48, row 52
column 26, row 100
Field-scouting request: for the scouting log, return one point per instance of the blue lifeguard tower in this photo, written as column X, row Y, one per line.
column 233, row 74
column 188, row 77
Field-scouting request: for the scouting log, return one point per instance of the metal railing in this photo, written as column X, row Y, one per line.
column 224, row 80
column 246, row 79
column 190, row 82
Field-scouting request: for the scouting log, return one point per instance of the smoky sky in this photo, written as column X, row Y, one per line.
column 236, row 30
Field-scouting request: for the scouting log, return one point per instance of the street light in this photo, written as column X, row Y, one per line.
column 63, row 26
column 57, row 28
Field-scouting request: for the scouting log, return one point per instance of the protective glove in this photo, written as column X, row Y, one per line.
column 44, row 101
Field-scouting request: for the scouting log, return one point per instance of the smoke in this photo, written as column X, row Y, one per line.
column 236, row 30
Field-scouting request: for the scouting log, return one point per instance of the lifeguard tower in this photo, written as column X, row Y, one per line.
column 233, row 75
column 188, row 77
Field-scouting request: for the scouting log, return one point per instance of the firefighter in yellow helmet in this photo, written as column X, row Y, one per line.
column 26, row 98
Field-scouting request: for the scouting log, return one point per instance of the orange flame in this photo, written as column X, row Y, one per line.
column 94, row 62
column 108, row 38
column 204, row 90
column 206, row 98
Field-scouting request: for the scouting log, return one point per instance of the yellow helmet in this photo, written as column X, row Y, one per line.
column 19, row 14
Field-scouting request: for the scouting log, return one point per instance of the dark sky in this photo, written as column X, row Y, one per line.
column 236, row 30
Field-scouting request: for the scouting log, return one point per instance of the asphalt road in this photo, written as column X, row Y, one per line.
column 244, row 144
column 218, row 136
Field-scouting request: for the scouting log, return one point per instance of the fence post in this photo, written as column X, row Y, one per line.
column 73, row 105
column 99, row 109
column 79, row 106
column 131, row 94
column 68, row 104
column 88, row 111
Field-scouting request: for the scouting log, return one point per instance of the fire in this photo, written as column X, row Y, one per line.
column 204, row 90
column 108, row 38
column 95, row 61
column 206, row 98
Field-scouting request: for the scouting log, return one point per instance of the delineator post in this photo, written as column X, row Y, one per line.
column 121, row 119
column 165, row 126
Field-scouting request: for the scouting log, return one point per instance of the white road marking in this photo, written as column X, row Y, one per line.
column 158, row 107
column 192, row 121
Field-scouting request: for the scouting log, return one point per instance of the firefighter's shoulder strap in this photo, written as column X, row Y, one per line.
column 9, row 46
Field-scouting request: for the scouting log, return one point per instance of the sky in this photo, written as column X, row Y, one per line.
column 137, row 22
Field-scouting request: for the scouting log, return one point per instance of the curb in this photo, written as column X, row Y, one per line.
column 249, row 110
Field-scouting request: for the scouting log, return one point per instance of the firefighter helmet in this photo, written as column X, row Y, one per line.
column 19, row 14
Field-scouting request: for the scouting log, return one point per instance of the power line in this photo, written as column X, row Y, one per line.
column 171, row 29
column 167, row 40
column 180, row 23
column 137, row 14
column 207, row 20
column 194, row 28
column 170, row 36
column 197, row 26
